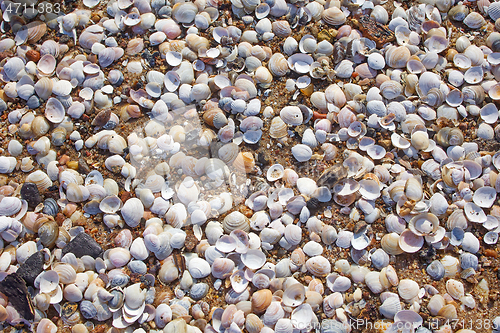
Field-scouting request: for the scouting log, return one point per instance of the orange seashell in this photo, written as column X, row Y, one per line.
column 244, row 162
column 261, row 299
column 215, row 117
column 135, row 46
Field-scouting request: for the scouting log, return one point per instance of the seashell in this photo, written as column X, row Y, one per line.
column 390, row 307
column 372, row 281
column 261, row 299
column 222, row 268
column 301, row 152
column 484, row 196
column 455, row 288
column 54, row 111
column 474, row 213
column 294, row 295
column 132, row 212
column 244, row 162
column 46, row 325
column 281, row 28
column 436, row 270
column 318, row 266
column 39, row 178
column 458, row 13
column 397, row 56
column 474, row 20
column 253, row 259
column 88, row 310
column 333, row 16
column 379, row 14
column 236, row 221
column 36, row 30
column 390, row 244
column 291, row 115
column 253, row 323
column 278, row 128
column 376, row 61
column 215, row 118
column 77, row 193
column 290, row 46
column 300, row 63
column 379, row 259
column 408, row 289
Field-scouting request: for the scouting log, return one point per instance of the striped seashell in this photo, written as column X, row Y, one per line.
column 333, row 16
column 278, row 65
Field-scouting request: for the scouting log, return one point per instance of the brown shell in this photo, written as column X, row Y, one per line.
column 261, row 300
column 36, row 30
column 215, row 117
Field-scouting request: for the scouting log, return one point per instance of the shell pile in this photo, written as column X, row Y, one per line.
column 249, row 166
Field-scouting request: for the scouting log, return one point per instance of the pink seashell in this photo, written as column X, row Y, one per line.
column 365, row 71
column 169, row 27
column 324, row 125
column 344, row 31
column 345, row 117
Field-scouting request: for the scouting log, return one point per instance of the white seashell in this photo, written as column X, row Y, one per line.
column 8, row 164
column 132, row 212
column 408, row 289
column 301, row 152
column 376, row 61
column 333, row 16
column 49, row 280
column 275, row 172
column 199, row 268
column 253, row 259
column 474, row 213
column 294, row 295
column 54, row 111
column 484, row 196
column 474, row 20
column 290, row 46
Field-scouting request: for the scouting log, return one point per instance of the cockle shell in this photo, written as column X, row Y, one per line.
column 333, row 16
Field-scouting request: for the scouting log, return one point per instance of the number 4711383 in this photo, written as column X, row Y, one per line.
column 41, row 8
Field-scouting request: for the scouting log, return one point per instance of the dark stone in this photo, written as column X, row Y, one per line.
column 262, row 158
column 426, row 255
column 14, row 287
column 313, row 204
column 83, row 167
column 30, row 269
column 64, row 39
column 29, row 192
column 82, row 245
column 371, row 132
